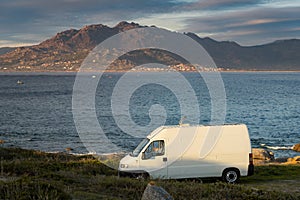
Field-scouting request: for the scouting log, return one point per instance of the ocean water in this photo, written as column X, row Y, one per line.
column 38, row 114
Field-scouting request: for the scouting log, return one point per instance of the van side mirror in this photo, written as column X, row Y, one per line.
column 143, row 156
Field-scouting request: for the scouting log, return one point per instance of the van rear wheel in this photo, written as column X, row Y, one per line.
column 231, row 175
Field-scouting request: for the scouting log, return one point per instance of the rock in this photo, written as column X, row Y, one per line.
column 281, row 159
column 288, row 161
column 153, row 192
column 294, row 160
column 296, row 147
column 68, row 149
column 262, row 155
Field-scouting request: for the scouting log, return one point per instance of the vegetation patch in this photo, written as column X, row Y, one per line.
column 28, row 174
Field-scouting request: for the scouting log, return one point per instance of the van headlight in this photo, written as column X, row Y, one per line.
column 124, row 166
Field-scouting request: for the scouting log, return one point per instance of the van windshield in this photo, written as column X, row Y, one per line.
column 139, row 148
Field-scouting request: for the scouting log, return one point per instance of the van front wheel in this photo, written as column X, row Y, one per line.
column 231, row 175
column 142, row 176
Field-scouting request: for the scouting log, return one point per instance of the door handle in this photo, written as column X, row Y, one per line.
column 165, row 159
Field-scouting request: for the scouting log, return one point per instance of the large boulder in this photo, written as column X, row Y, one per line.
column 292, row 161
column 296, row 147
column 153, row 192
column 262, row 155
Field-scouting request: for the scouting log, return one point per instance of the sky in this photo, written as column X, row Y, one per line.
column 247, row 22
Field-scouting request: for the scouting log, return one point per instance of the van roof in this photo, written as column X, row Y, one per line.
column 159, row 129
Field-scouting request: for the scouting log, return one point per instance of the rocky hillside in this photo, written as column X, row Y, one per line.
column 63, row 52
column 66, row 51
column 5, row 50
column 279, row 55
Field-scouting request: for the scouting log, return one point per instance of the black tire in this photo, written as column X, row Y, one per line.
column 142, row 176
column 231, row 175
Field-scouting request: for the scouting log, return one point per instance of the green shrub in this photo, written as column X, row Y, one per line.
column 31, row 190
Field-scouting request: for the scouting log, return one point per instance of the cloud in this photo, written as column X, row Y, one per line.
column 20, row 11
column 222, row 4
column 247, row 22
column 268, row 24
column 44, row 18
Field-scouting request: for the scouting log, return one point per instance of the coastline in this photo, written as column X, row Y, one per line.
column 261, row 156
column 6, row 72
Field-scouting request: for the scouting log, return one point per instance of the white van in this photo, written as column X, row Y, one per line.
column 184, row 151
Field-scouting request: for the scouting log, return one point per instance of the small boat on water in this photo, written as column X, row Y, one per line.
column 20, row 82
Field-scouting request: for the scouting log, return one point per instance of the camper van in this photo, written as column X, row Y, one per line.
column 185, row 151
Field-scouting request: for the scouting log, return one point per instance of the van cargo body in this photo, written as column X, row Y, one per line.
column 184, row 151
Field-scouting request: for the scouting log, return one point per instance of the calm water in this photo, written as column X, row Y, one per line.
column 38, row 113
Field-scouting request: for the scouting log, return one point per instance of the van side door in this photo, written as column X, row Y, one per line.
column 154, row 159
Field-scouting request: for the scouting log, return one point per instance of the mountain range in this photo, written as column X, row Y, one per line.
column 66, row 51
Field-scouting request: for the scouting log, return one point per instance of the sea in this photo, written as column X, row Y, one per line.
column 37, row 109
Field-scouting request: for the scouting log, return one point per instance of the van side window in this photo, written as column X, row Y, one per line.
column 156, row 148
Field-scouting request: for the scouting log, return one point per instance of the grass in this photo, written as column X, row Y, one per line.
column 29, row 174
